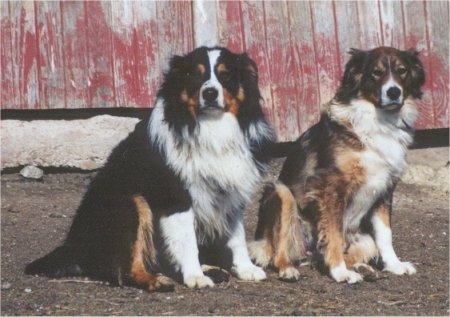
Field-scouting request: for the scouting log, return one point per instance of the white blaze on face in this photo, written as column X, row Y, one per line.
column 386, row 97
column 213, row 82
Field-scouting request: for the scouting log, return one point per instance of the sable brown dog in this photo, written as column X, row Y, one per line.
column 334, row 193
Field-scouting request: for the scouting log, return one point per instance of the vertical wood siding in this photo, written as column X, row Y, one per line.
column 81, row 54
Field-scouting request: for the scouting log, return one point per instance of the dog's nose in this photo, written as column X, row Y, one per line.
column 210, row 94
column 393, row 93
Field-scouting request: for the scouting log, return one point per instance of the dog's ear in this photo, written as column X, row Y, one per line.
column 248, row 69
column 354, row 70
column 177, row 65
column 248, row 72
column 416, row 78
column 258, row 133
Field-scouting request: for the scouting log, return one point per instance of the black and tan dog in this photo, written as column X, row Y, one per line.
column 177, row 185
column 334, row 193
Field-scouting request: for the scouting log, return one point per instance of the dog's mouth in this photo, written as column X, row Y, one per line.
column 391, row 106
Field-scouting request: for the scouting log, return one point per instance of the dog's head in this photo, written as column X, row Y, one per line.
column 209, row 82
column 385, row 76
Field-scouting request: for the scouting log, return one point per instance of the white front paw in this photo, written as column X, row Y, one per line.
column 401, row 268
column 200, row 281
column 249, row 273
column 289, row 274
column 340, row 273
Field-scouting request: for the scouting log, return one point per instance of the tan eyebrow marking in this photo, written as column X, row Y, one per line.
column 221, row 68
column 201, row 68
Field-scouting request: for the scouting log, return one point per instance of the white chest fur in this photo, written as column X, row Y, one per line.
column 215, row 166
column 386, row 141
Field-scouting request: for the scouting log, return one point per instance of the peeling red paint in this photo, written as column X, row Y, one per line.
column 78, row 54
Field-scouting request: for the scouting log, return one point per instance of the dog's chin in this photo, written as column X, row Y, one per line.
column 211, row 110
column 392, row 106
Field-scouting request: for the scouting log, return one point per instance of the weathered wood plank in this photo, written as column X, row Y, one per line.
column 230, row 25
column 123, row 24
column 23, row 56
column 175, row 32
column 99, row 53
column 51, row 58
column 205, row 23
column 134, row 52
column 307, row 78
column 325, row 46
column 282, row 69
column 76, row 64
column 437, row 18
column 368, row 19
column 10, row 96
column 347, row 30
column 416, row 37
column 254, row 37
column 149, row 76
column 391, row 23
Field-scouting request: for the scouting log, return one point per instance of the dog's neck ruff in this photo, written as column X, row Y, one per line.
column 369, row 122
column 215, row 165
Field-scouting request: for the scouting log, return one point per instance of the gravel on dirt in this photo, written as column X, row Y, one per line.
column 36, row 214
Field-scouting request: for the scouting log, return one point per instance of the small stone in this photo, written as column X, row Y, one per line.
column 27, row 290
column 6, row 286
column 32, row 172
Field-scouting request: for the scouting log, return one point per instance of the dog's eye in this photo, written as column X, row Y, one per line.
column 401, row 70
column 377, row 73
column 192, row 74
column 224, row 76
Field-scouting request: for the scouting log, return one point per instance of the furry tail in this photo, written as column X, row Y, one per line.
column 282, row 149
column 279, row 234
column 62, row 261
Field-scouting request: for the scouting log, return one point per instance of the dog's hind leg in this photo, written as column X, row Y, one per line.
column 143, row 252
column 279, row 234
column 360, row 250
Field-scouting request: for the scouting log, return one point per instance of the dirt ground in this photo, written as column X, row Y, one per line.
column 35, row 216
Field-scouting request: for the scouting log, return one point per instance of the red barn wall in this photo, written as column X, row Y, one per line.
column 102, row 54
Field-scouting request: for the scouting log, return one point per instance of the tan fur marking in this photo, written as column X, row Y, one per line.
column 231, row 102
column 354, row 174
column 330, row 226
column 384, row 215
column 251, row 69
column 334, row 251
column 268, row 249
column 290, row 244
column 221, row 68
column 201, row 68
column 191, row 102
column 358, row 253
column 143, row 247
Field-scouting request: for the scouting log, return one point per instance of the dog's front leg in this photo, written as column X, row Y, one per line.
column 179, row 235
column 331, row 240
column 381, row 222
column 243, row 267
